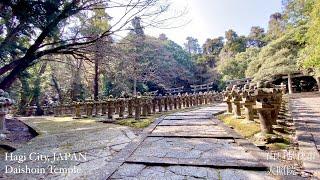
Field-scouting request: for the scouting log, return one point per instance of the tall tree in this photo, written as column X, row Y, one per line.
column 311, row 54
column 192, row 45
column 276, row 26
column 256, row 37
column 48, row 31
column 211, row 50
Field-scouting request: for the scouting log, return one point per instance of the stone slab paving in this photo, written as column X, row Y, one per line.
column 194, row 151
column 190, row 130
column 191, row 122
column 141, row 171
column 305, row 109
column 178, row 146
column 97, row 142
column 173, row 117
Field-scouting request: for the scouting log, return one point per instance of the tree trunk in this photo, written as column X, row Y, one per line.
column 57, row 87
column 135, row 87
column 24, row 94
column 96, row 79
column 290, row 84
column 23, row 64
column 37, row 89
column 318, row 82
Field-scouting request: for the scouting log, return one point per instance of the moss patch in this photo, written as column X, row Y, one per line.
column 247, row 130
column 278, row 146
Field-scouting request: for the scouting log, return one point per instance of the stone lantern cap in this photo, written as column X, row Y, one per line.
column 227, row 96
column 263, row 99
column 110, row 98
column 247, row 98
column 235, row 95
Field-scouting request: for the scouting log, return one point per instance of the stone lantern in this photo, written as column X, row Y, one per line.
column 187, row 97
column 236, row 99
column 248, row 102
column 137, row 106
column 130, row 107
column 179, row 101
column 144, row 103
column 77, row 110
column 166, row 102
column 89, row 106
column 5, row 103
column 122, row 106
column 227, row 99
column 111, row 107
column 104, row 106
column 160, row 102
column 276, row 99
column 264, row 108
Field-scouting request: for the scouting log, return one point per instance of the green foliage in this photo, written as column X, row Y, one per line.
column 234, row 44
column 312, row 50
column 235, row 67
column 279, row 57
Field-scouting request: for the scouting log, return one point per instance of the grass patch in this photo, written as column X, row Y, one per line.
column 247, row 130
column 131, row 122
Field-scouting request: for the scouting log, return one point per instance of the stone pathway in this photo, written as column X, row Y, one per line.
column 191, row 145
column 98, row 142
column 305, row 109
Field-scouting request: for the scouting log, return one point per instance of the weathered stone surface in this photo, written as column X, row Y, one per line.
column 135, row 171
column 187, row 122
column 209, row 130
column 186, row 117
column 98, row 141
column 193, row 151
column 306, row 117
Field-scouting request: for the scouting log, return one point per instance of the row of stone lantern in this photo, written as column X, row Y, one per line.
column 139, row 106
column 261, row 100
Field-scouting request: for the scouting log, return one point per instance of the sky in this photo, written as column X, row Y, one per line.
column 211, row 18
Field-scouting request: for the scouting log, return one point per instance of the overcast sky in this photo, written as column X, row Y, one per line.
column 211, row 18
